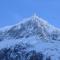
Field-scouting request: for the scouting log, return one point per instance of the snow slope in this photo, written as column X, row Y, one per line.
column 32, row 33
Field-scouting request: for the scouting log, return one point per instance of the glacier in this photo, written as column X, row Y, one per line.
column 32, row 38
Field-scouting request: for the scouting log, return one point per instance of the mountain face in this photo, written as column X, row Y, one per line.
column 31, row 39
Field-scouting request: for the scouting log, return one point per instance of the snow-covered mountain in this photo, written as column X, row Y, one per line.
column 31, row 39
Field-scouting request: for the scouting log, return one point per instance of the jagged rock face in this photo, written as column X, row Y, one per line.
column 26, row 29
column 20, row 53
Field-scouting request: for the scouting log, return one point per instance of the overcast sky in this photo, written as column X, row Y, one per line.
column 12, row 11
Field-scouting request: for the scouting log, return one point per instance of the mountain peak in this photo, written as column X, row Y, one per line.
column 35, row 17
column 32, row 33
column 34, row 20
